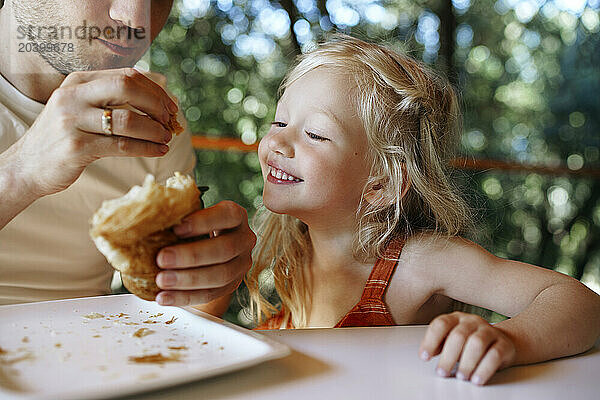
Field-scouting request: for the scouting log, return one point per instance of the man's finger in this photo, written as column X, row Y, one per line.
column 80, row 77
column 119, row 146
column 125, row 123
column 222, row 216
column 119, row 90
column 211, row 277
column 193, row 297
column 218, row 250
column 435, row 335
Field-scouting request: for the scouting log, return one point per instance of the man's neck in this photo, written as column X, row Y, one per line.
column 26, row 71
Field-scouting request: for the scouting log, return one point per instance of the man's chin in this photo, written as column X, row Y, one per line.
column 104, row 60
column 65, row 68
column 101, row 59
column 113, row 65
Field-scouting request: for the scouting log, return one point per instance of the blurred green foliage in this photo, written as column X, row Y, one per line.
column 527, row 71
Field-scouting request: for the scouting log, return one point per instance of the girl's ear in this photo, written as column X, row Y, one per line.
column 377, row 195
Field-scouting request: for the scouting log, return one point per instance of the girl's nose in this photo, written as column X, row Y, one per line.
column 280, row 143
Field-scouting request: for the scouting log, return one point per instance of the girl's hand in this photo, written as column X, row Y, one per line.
column 481, row 348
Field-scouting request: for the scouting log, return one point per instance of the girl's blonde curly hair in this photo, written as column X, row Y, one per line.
column 412, row 119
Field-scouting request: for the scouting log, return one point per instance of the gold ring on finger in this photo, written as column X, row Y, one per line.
column 107, row 126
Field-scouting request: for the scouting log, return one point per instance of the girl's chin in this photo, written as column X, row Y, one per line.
column 277, row 208
column 281, row 209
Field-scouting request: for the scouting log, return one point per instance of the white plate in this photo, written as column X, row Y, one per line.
column 84, row 348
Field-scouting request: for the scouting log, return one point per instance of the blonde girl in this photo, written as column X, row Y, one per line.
column 361, row 224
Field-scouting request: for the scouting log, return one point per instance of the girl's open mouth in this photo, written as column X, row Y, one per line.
column 279, row 176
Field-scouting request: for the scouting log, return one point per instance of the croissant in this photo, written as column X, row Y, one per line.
column 130, row 230
column 173, row 125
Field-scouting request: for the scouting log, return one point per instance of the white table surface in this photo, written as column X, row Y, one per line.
column 382, row 363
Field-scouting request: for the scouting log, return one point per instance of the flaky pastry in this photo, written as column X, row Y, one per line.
column 173, row 125
column 130, row 230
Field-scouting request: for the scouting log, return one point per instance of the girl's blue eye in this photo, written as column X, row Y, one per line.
column 279, row 124
column 316, row 137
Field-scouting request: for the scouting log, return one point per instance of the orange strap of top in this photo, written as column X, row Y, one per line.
column 382, row 272
column 371, row 310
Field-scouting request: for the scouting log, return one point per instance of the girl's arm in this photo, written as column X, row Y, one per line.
column 552, row 315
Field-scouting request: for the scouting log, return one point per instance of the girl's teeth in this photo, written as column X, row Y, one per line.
column 279, row 174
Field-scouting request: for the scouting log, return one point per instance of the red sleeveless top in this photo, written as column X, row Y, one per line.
column 371, row 309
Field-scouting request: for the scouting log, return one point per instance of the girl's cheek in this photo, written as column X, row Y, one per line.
column 262, row 153
column 263, row 169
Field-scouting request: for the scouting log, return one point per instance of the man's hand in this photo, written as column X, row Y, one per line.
column 68, row 136
column 204, row 270
column 478, row 347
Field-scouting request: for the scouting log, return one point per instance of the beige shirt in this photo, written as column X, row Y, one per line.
column 45, row 251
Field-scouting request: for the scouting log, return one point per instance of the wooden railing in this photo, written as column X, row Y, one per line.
column 484, row 165
column 202, row 142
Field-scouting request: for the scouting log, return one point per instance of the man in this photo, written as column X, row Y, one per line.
column 61, row 156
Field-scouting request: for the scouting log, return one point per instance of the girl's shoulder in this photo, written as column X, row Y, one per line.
column 426, row 257
column 425, row 252
column 415, row 294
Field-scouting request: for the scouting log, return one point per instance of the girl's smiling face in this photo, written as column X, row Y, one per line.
column 314, row 157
